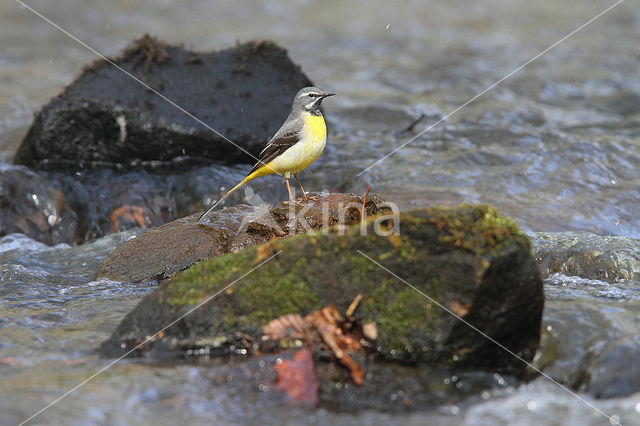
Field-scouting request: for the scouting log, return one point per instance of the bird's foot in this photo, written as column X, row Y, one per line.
column 295, row 202
column 308, row 197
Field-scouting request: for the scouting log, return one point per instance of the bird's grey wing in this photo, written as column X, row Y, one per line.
column 288, row 135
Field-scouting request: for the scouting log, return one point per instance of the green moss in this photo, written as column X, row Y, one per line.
column 476, row 229
column 275, row 291
column 205, row 278
column 358, row 266
column 405, row 319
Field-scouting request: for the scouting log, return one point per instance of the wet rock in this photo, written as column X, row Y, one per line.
column 610, row 372
column 35, row 206
column 624, row 103
column 470, row 260
column 590, row 335
column 108, row 201
column 163, row 251
column 105, row 118
column 605, row 258
column 389, row 387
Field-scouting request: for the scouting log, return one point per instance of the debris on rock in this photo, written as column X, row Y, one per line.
column 324, row 327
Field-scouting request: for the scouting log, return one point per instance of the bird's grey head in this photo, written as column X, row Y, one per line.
column 309, row 99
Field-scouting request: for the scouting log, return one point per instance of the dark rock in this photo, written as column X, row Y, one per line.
column 588, row 338
column 35, row 206
column 605, row 258
column 389, row 387
column 468, row 259
column 624, row 103
column 163, row 251
column 105, row 118
column 610, row 372
column 107, row 201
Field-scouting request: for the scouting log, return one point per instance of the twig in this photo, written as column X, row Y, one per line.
column 363, row 214
column 414, row 123
column 353, row 306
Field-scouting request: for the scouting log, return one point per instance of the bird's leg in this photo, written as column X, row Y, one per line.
column 289, row 189
column 286, row 179
column 304, row 193
column 287, row 175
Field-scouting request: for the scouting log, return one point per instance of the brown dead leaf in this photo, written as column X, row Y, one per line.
column 460, row 309
column 356, row 372
column 297, row 377
column 263, row 252
column 329, row 337
column 326, row 325
column 348, row 343
column 331, row 314
column 291, row 325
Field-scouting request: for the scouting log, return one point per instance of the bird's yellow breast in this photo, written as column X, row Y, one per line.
column 316, row 126
column 303, row 153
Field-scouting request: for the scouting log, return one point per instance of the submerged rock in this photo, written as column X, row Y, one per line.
column 583, row 254
column 389, row 387
column 163, row 251
column 106, row 118
column 35, row 206
column 468, row 259
column 590, row 336
column 109, row 201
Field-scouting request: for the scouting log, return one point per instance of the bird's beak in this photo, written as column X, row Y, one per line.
column 326, row 95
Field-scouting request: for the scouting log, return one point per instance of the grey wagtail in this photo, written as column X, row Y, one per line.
column 294, row 147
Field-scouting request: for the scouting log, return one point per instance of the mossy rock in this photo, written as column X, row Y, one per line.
column 468, row 259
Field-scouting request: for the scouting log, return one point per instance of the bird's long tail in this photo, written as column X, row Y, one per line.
column 250, row 177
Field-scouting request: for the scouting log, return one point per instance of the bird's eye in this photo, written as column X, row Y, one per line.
column 312, row 95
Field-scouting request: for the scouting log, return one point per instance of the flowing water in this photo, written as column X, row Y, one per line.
column 556, row 146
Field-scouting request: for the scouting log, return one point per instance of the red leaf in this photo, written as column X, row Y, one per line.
column 297, row 377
